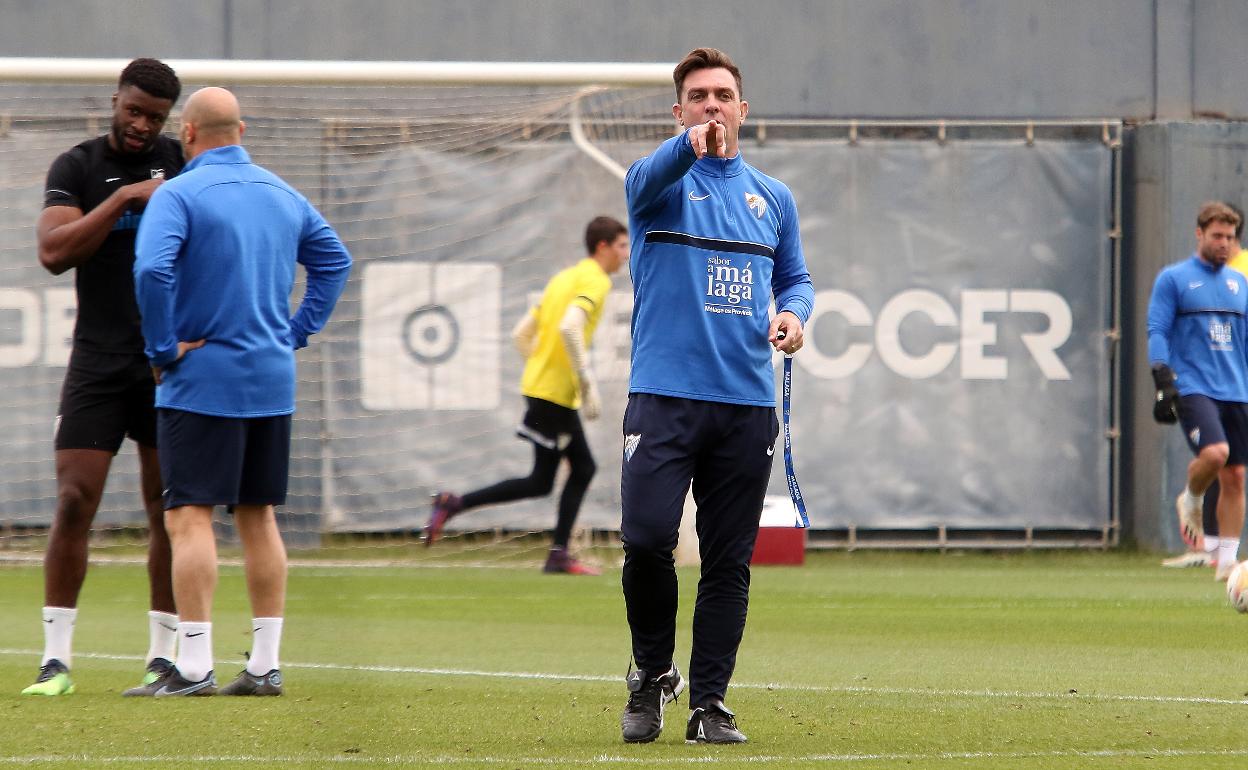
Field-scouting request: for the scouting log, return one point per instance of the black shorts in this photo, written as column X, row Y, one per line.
column 548, row 424
column 206, row 460
column 1207, row 421
column 106, row 397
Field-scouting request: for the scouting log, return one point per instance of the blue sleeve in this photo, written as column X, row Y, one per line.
column 649, row 178
column 790, row 281
column 1161, row 310
column 327, row 263
column 162, row 231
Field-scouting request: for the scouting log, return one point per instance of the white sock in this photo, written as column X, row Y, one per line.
column 1228, row 550
column 1193, row 502
column 265, row 640
column 58, row 634
column 1211, row 544
column 162, row 631
column 194, row 650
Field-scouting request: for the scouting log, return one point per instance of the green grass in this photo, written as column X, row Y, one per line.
column 862, row 660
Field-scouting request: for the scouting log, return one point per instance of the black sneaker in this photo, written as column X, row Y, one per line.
column 713, row 723
column 248, row 683
column 153, row 679
column 643, row 716
column 176, row 685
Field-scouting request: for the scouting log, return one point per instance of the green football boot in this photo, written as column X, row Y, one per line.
column 53, row 680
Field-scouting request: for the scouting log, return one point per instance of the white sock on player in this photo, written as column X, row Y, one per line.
column 162, row 633
column 58, row 634
column 1193, row 502
column 265, row 640
column 1228, row 550
column 194, row 650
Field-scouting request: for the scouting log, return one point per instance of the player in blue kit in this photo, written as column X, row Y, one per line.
column 714, row 240
column 215, row 263
column 1197, row 340
column 1205, row 553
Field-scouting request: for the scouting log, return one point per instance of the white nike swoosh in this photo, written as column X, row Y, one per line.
column 693, row 197
column 114, row 179
column 771, row 450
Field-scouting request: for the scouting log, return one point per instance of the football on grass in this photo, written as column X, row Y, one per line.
column 1237, row 587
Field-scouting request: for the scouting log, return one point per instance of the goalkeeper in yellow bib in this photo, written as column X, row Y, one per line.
column 558, row 387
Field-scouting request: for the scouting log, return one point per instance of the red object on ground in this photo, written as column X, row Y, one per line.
column 780, row 545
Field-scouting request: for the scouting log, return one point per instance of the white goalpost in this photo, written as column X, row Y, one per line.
column 459, row 187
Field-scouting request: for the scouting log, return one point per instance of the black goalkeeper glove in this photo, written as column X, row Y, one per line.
column 1166, row 402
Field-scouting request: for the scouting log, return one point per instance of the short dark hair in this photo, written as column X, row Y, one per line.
column 1217, row 211
column 153, row 77
column 1239, row 228
column 602, row 229
column 704, row 59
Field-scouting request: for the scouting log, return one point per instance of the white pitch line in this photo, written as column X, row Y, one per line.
column 129, row 561
column 614, row 759
column 770, row 686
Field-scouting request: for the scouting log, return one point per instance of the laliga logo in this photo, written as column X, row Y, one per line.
column 976, row 333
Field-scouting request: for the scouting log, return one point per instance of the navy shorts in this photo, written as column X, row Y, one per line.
column 206, row 460
column 106, row 397
column 1207, row 421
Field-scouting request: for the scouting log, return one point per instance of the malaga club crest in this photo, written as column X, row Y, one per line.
column 1233, row 285
column 756, row 204
column 630, row 445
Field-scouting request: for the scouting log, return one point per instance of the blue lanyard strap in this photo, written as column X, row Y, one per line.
column 795, row 491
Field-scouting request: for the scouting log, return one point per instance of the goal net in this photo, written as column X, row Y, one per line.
column 458, row 201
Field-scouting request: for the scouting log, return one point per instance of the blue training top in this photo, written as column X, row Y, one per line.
column 713, row 239
column 1197, row 325
column 215, row 260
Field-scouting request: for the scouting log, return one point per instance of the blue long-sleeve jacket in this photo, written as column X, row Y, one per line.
column 713, row 240
column 1198, row 326
column 215, row 260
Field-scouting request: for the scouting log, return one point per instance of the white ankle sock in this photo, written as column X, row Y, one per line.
column 265, row 640
column 1228, row 550
column 1193, row 502
column 58, row 634
column 194, row 650
column 162, row 632
column 1211, row 545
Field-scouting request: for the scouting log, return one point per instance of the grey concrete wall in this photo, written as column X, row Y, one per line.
column 1135, row 59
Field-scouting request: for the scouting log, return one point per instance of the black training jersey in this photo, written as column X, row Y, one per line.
column 108, row 316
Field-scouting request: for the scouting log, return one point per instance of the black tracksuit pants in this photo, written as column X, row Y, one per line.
column 726, row 451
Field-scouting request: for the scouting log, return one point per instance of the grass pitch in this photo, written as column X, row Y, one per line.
column 857, row 660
